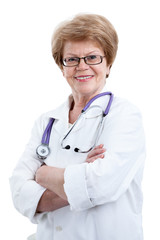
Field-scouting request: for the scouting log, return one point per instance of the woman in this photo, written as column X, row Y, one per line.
column 89, row 187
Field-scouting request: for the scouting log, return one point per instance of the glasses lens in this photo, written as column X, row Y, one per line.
column 72, row 61
column 93, row 59
column 90, row 60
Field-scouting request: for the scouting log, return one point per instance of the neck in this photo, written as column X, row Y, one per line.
column 79, row 102
column 76, row 107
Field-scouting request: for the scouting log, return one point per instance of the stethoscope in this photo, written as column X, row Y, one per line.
column 43, row 150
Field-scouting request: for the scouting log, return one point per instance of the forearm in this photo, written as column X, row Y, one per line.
column 50, row 202
column 52, row 179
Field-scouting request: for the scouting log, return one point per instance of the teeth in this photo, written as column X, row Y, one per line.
column 81, row 78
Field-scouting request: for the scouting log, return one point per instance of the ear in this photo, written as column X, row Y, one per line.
column 109, row 68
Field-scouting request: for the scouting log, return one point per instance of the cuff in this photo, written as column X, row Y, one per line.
column 75, row 187
column 30, row 195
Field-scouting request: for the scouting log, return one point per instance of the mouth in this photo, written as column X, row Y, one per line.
column 83, row 78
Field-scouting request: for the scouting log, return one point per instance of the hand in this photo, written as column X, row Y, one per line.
column 97, row 152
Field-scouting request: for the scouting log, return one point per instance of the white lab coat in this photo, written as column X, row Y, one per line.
column 105, row 196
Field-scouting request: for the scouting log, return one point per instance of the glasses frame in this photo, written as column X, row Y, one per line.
column 85, row 60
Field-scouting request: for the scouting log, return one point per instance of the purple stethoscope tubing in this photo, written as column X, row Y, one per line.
column 43, row 149
column 98, row 96
column 47, row 132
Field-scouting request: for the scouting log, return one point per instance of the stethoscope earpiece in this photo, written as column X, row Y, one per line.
column 76, row 149
column 67, row 147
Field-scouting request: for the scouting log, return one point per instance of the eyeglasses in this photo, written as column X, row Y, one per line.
column 90, row 60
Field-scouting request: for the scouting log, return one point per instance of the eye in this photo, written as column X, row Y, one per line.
column 71, row 59
column 92, row 57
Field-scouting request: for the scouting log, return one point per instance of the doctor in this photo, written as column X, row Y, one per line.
column 89, row 186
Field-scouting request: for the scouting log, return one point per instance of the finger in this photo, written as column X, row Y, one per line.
column 99, row 146
column 90, row 160
column 96, row 151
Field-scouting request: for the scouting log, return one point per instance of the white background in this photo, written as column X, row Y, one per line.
column 31, row 84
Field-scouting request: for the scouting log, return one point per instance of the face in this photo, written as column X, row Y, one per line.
column 85, row 80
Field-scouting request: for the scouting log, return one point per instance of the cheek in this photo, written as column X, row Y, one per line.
column 64, row 72
column 106, row 70
column 102, row 72
column 67, row 73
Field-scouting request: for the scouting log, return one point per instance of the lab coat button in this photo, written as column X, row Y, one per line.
column 58, row 228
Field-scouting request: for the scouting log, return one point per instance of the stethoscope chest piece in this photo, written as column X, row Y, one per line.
column 42, row 151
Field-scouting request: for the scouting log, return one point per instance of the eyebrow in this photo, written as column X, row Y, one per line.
column 75, row 55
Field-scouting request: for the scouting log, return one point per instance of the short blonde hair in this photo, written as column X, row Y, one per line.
column 85, row 27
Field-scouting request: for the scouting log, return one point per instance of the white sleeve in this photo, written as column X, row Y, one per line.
column 105, row 180
column 26, row 193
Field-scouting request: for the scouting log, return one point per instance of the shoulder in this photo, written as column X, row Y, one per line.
column 57, row 113
column 124, row 119
column 122, row 105
column 124, row 113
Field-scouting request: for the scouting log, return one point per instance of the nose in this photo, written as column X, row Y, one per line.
column 82, row 65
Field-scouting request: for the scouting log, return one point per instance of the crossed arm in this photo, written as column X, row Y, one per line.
column 52, row 179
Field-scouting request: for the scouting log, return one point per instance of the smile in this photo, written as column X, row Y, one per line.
column 84, row 78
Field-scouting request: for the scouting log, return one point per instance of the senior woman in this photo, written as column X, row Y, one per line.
column 89, row 186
